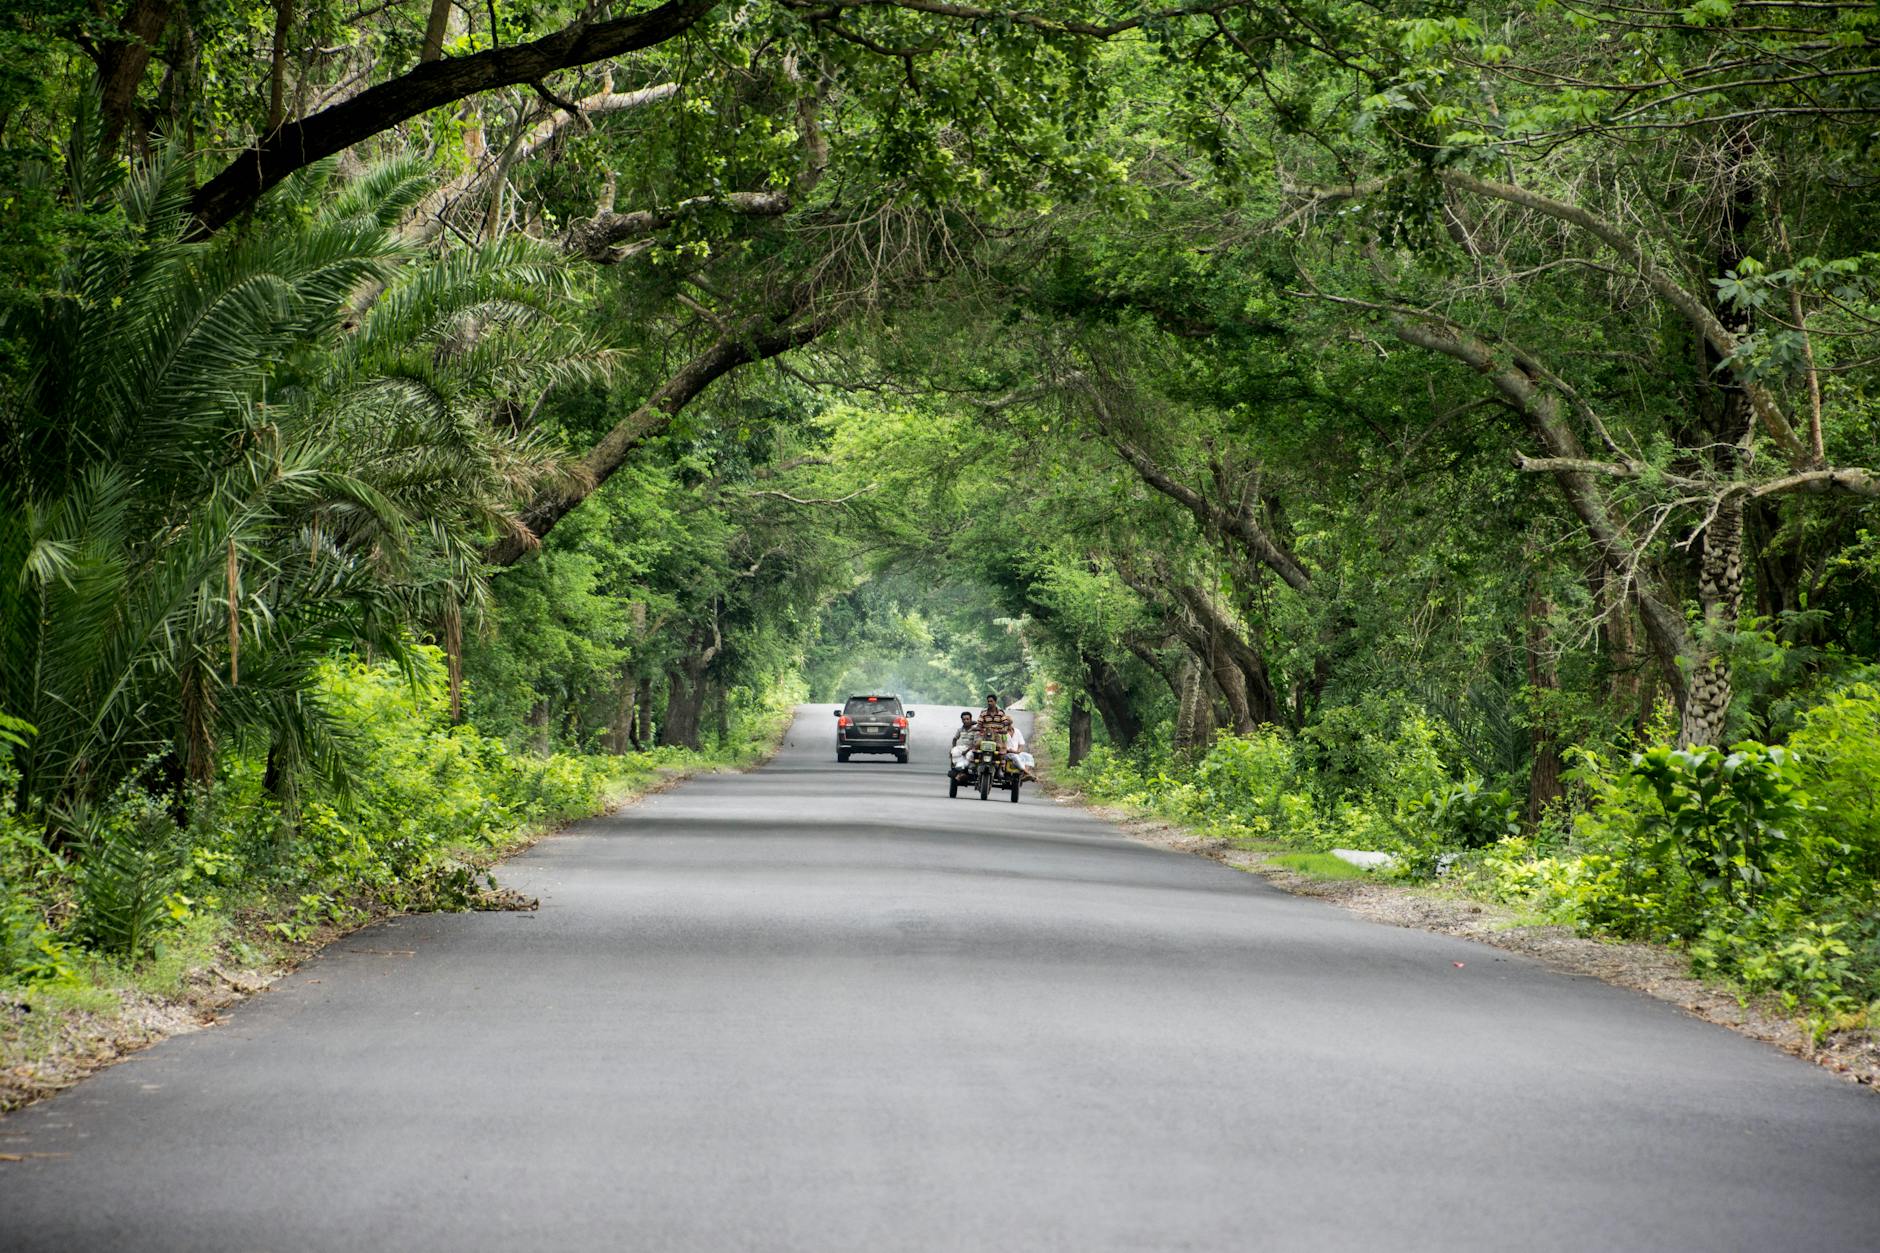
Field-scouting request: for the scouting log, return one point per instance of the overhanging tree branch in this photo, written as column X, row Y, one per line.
column 429, row 84
column 598, row 237
column 652, row 418
column 1687, row 303
column 1237, row 524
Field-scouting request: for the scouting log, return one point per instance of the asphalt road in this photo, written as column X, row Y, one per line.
column 822, row 1007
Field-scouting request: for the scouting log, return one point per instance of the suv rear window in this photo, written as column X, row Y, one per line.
column 872, row 705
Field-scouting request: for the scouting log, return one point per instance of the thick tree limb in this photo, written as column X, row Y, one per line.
column 1224, row 631
column 1851, row 479
column 597, row 238
column 1694, row 309
column 1036, row 21
column 427, row 220
column 428, row 85
column 122, row 61
column 1688, row 304
column 1238, row 524
column 1578, row 465
column 652, row 418
column 1664, row 627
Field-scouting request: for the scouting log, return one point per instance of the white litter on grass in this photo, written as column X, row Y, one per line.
column 1383, row 861
column 1364, row 857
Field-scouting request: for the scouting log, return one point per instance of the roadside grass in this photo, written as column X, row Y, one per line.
column 1319, row 866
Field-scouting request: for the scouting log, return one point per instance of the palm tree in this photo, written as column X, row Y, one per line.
column 228, row 460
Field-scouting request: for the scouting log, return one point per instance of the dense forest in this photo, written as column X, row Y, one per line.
column 1421, row 425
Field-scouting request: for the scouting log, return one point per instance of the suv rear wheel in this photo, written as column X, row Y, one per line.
column 842, row 754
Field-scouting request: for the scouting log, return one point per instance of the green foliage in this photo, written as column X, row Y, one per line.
column 1837, row 747
column 1468, row 815
column 1735, row 854
column 126, row 878
column 1253, row 782
column 30, row 876
column 421, row 794
column 1265, row 786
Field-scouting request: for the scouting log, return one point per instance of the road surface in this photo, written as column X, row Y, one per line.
column 822, row 1007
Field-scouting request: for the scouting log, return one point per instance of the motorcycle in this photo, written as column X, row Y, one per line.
column 984, row 766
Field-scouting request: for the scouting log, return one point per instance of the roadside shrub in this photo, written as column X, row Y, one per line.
column 423, row 789
column 1468, row 815
column 1838, row 749
column 131, row 864
column 1730, row 853
column 1249, row 781
column 30, row 950
column 1684, row 839
column 1375, row 752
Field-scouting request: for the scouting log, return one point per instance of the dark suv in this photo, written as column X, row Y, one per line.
column 872, row 724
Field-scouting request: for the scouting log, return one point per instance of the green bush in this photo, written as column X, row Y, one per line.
column 1249, row 781
column 1757, row 858
column 422, row 790
column 128, row 871
column 1838, row 748
column 1468, row 815
column 1375, row 752
column 30, row 950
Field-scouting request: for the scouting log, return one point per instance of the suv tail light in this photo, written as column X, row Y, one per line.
column 842, row 721
column 900, row 722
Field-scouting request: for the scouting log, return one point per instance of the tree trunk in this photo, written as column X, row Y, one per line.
column 453, row 657
column 685, row 699
column 1544, row 770
column 721, row 714
column 196, row 740
column 121, row 65
column 277, row 68
column 1080, row 729
column 1111, row 696
column 1231, row 682
column 1618, row 638
column 280, row 780
column 1194, row 720
column 642, row 735
column 1720, row 592
column 620, row 735
column 435, row 30
column 538, row 727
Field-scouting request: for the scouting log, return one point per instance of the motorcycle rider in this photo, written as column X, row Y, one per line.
column 997, row 725
column 994, row 723
column 963, row 739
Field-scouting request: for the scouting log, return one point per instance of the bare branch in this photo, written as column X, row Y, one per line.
column 813, row 500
